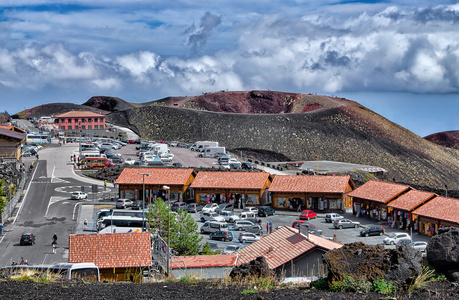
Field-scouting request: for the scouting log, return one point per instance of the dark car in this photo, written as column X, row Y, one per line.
column 247, row 166
column 221, row 235
column 264, row 211
column 177, row 165
column 179, row 205
column 136, row 205
column 27, row 239
column 372, row 230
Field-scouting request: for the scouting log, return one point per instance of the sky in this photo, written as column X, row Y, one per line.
column 398, row 58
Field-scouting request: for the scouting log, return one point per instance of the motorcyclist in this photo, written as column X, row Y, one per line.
column 55, row 238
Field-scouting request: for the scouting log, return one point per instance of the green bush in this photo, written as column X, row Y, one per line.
column 349, row 284
column 382, row 286
column 320, row 284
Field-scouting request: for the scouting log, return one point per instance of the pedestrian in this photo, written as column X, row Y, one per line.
column 37, row 156
column 54, row 244
column 270, row 226
column 267, row 227
column 105, row 185
column 85, row 223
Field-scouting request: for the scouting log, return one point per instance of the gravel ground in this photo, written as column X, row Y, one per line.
column 202, row 290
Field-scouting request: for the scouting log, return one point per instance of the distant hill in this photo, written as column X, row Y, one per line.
column 54, row 109
column 294, row 126
column 448, row 139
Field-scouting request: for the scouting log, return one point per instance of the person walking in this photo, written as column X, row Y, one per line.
column 267, row 228
column 105, row 185
column 270, row 226
column 54, row 244
column 85, row 223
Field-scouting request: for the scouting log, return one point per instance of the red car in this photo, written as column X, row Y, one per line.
column 307, row 214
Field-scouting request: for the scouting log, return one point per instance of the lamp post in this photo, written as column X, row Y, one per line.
column 168, row 189
column 143, row 201
column 446, row 188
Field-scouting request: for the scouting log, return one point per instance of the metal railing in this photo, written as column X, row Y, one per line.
column 9, row 208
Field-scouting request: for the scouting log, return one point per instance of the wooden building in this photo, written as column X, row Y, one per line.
column 400, row 210
column 10, row 144
column 119, row 256
column 249, row 188
column 371, row 199
column 75, row 120
column 178, row 180
column 319, row 193
column 436, row 213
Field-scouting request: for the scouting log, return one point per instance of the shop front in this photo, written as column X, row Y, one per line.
column 238, row 197
column 370, row 209
column 437, row 213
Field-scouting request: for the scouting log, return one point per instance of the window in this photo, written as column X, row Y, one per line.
column 203, row 198
column 334, row 203
column 281, row 202
column 89, row 127
column 252, row 199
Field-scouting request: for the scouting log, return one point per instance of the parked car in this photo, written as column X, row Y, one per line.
column 311, row 227
column 229, row 216
column 221, row 235
column 404, row 241
column 129, row 161
column 136, row 205
column 421, row 246
column 224, row 206
column 393, row 238
column 307, row 214
column 177, row 165
column 230, row 249
column 247, row 166
column 264, row 211
column 123, row 203
column 345, row 223
column 194, row 207
column 79, row 195
column 332, row 217
column 209, row 227
column 224, row 166
column 372, row 230
column 251, row 209
column 27, row 238
column 248, row 237
column 234, row 165
column 211, row 216
column 241, row 225
column 248, row 216
column 179, row 205
column 211, row 207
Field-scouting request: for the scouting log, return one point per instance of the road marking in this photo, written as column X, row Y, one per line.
column 25, row 195
column 52, row 174
column 74, row 209
column 53, row 200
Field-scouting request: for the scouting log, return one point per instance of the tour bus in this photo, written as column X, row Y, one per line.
column 96, row 162
column 87, row 271
column 115, row 229
column 40, row 138
column 121, row 221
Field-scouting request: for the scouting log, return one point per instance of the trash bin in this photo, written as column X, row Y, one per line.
column 1, row 228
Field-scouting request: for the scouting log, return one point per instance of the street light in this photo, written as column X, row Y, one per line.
column 143, row 205
column 168, row 189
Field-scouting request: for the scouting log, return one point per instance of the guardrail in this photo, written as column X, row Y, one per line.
column 9, row 208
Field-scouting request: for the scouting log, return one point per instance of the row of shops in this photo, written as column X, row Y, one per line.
column 404, row 208
column 290, row 192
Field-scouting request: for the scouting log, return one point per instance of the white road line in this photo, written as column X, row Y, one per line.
column 74, row 209
column 25, row 195
column 52, row 174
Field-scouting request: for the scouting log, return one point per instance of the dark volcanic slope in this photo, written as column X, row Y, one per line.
column 448, row 139
column 347, row 133
column 53, row 109
column 109, row 103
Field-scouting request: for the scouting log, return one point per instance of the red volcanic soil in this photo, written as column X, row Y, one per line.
column 256, row 102
column 448, row 139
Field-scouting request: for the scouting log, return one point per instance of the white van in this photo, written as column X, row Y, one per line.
column 210, row 227
column 211, row 151
column 199, row 146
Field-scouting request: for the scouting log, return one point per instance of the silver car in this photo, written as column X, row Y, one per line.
column 345, row 223
column 242, row 225
column 248, row 237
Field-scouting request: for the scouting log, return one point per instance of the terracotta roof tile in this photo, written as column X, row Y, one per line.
column 12, row 128
column 12, row 134
column 281, row 246
column 159, row 176
column 411, row 200
column 79, row 114
column 205, row 261
column 119, row 250
column 320, row 184
column 441, row 208
column 379, row 191
column 231, row 180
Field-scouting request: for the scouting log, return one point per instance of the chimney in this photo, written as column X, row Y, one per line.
column 304, row 230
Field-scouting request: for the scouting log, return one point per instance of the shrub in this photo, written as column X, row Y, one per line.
column 426, row 276
column 382, row 286
column 349, row 284
column 320, row 284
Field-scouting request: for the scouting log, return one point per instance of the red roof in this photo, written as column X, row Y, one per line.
column 231, row 180
column 119, row 250
column 79, row 114
column 283, row 245
column 440, row 208
column 204, row 261
column 411, row 200
column 158, row 176
column 379, row 191
column 315, row 184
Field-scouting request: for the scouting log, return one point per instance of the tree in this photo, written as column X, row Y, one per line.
column 3, row 201
column 181, row 227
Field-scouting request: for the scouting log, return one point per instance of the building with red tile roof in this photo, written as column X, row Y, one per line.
column 289, row 252
column 250, row 188
column 400, row 210
column 436, row 213
column 122, row 253
column 12, row 128
column 203, row 266
column 75, row 120
column 371, row 199
column 178, row 180
column 320, row 193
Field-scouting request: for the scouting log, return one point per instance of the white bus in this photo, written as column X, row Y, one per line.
column 87, row 271
column 122, row 221
column 40, row 138
column 115, row 229
column 120, row 213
